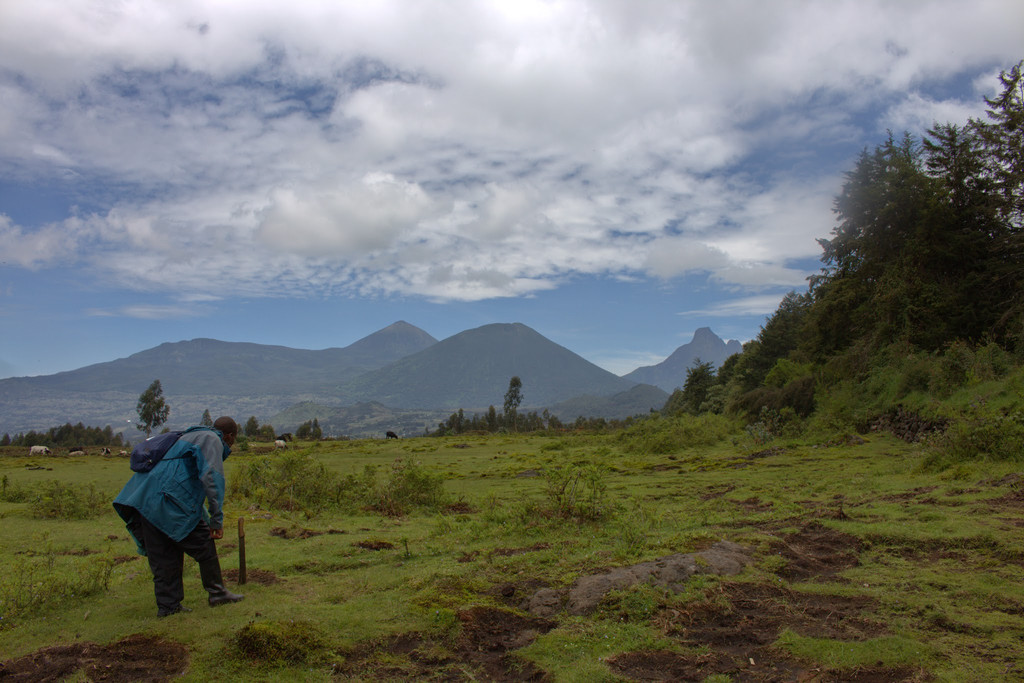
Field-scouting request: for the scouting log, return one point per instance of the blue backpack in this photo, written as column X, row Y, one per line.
column 147, row 454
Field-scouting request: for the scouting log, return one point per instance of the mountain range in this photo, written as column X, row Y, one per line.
column 399, row 375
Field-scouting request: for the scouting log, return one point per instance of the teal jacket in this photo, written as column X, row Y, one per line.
column 171, row 495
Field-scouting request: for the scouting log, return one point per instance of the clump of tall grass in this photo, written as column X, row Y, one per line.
column 408, row 486
column 578, row 491
column 45, row 580
column 294, row 481
column 659, row 435
column 297, row 481
column 56, row 499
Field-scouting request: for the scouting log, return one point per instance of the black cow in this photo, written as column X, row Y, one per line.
column 391, row 435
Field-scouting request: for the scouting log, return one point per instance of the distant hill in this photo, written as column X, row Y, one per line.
column 399, row 378
column 670, row 374
column 472, row 369
column 225, row 377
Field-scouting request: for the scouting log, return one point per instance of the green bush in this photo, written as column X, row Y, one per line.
column 980, row 434
column 50, row 579
column 578, row 491
column 407, row 486
column 296, row 481
column 57, row 500
column 658, row 435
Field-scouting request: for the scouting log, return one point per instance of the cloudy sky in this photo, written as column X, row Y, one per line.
column 614, row 174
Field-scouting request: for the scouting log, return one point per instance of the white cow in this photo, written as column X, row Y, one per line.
column 39, row 450
column 280, row 444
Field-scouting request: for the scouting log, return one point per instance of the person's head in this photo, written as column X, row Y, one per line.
column 227, row 427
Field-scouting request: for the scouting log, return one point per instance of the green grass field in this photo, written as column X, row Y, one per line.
column 863, row 565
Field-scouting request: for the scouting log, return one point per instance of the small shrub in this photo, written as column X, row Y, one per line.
column 58, row 500
column 979, row 435
column 952, row 369
column 407, row 486
column 633, row 528
column 914, row 377
column 296, row 481
column 39, row 582
column 578, row 491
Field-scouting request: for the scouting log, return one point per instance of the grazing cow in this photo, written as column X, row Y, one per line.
column 391, row 435
column 39, row 450
column 280, row 444
column 76, row 453
column 105, row 451
column 122, row 452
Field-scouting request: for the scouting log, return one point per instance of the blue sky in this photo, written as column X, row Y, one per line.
column 613, row 174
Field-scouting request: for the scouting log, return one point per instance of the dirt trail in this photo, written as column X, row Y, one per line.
column 136, row 658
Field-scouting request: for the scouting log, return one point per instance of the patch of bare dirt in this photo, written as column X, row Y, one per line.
column 260, row 577
column 294, row 532
column 716, row 491
column 817, row 552
column 483, row 650
column 370, row 544
column 136, row 658
column 663, row 665
column 767, row 452
column 732, row 630
column 754, row 504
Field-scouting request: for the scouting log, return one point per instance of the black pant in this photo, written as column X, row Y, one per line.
column 167, row 559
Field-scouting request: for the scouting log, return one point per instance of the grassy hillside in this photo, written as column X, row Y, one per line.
column 863, row 557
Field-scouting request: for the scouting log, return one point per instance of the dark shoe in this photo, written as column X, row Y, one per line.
column 224, row 598
column 174, row 610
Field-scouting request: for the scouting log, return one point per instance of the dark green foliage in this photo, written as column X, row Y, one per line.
column 252, row 427
column 68, row 435
column 513, row 397
column 692, row 398
column 152, row 409
column 207, row 420
column 928, row 248
column 797, row 396
column 781, row 335
column 309, row 430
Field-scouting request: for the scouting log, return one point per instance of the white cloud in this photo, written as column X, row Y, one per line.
column 762, row 304
column 461, row 150
column 147, row 312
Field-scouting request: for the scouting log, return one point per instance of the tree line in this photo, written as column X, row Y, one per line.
column 66, row 436
column 927, row 257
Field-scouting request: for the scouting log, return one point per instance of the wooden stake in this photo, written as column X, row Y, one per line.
column 241, row 551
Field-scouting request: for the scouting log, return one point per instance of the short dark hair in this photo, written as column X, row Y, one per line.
column 226, row 425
